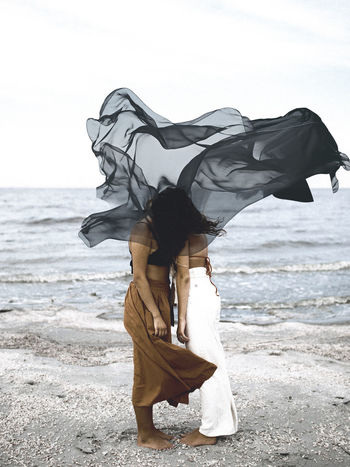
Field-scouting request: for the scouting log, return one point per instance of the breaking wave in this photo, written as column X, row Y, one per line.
column 74, row 277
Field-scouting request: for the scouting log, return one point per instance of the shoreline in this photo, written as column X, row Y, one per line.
column 111, row 316
column 65, row 387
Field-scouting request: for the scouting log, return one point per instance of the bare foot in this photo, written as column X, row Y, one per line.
column 195, row 438
column 189, row 433
column 161, row 434
column 153, row 442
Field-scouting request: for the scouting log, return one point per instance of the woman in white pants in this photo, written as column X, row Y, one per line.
column 199, row 307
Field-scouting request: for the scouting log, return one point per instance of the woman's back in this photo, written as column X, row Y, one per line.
column 193, row 255
column 143, row 240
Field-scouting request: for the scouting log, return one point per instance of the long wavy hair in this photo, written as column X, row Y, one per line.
column 174, row 218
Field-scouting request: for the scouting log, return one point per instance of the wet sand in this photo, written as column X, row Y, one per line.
column 65, row 386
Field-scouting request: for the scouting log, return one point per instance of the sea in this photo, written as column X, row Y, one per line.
column 280, row 260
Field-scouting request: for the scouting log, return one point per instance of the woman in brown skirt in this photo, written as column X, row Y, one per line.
column 162, row 370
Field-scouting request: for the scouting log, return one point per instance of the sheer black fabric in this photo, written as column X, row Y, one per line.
column 223, row 160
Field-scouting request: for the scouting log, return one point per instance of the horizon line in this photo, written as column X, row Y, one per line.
column 94, row 188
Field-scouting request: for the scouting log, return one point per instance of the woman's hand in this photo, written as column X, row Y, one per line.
column 181, row 336
column 160, row 329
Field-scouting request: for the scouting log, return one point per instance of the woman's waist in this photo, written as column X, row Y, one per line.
column 198, row 272
column 157, row 283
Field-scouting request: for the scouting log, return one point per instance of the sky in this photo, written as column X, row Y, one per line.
column 183, row 58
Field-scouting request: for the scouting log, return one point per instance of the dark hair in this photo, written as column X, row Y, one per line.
column 174, row 218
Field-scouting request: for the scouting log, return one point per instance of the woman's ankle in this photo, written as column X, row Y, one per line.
column 144, row 435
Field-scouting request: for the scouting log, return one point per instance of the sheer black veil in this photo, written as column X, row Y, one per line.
column 224, row 161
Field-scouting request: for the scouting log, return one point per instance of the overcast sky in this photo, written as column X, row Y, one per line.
column 183, row 58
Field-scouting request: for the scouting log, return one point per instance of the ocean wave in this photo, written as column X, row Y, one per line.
column 283, row 243
column 80, row 277
column 313, row 267
column 63, row 277
column 317, row 302
column 55, row 220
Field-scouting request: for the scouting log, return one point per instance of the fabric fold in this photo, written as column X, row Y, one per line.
column 223, row 160
column 162, row 370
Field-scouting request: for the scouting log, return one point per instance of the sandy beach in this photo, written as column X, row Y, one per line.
column 66, row 379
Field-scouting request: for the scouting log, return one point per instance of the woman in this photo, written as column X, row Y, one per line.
column 162, row 371
column 199, row 312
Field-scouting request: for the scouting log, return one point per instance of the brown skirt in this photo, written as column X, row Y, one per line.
column 162, row 370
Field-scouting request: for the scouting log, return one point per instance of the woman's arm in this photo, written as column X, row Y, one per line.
column 140, row 244
column 183, row 287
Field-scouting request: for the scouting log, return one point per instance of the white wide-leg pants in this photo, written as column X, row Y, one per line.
column 218, row 410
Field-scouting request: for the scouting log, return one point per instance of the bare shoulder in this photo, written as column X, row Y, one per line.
column 141, row 232
column 198, row 245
